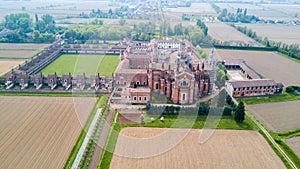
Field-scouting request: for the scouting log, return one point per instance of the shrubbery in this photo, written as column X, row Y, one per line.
column 292, row 89
column 203, row 109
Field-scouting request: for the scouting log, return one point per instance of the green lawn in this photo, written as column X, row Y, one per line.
column 83, row 63
column 273, row 98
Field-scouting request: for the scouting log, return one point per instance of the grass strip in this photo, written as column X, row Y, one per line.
column 289, row 133
column 268, row 99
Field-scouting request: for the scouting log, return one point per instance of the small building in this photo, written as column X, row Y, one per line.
column 9, row 80
column 23, row 80
column 52, row 80
column 80, row 81
column 258, row 87
column 38, row 80
column 139, row 95
column 66, row 81
column 94, row 81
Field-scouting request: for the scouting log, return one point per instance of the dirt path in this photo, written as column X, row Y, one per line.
column 100, row 144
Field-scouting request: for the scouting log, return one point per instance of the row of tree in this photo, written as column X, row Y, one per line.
column 142, row 31
column 221, row 75
column 239, row 16
column 203, row 109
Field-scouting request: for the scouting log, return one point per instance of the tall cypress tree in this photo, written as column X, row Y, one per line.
column 239, row 115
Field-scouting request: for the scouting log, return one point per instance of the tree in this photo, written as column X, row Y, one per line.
column 245, row 12
column 36, row 22
column 178, row 29
column 122, row 22
column 224, row 13
column 36, row 34
column 148, row 105
column 239, row 114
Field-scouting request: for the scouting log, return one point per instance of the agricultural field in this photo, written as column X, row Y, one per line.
column 263, row 11
column 196, row 8
column 291, row 11
column 58, row 9
column 7, row 65
column 83, row 63
column 223, row 32
column 180, row 148
column 278, row 117
column 280, row 33
column 268, row 64
column 39, row 132
column 19, row 50
column 294, row 144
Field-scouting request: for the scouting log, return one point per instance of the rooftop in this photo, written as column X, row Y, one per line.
column 252, row 83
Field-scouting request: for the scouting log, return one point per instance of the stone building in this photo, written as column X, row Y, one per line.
column 168, row 67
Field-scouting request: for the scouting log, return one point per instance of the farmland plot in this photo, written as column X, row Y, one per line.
column 196, row 8
column 224, row 149
column 280, row 33
column 7, row 65
column 262, row 11
column 294, row 143
column 58, row 9
column 39, row 132
column 278, row 117
column 19, row 50
column 268, row 64
column 224, row 32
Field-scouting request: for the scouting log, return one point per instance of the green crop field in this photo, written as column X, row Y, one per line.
column 79, row 64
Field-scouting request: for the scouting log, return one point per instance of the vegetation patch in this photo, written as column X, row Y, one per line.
column 79, row 64
column 269, row 99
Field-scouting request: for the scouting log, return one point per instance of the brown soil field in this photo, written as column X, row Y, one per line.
column 294, row 144
column 17, row 54
column 39, row 132
column 20, row 46
column 129, row 117
column 263, row 11
column 58, row 9
column 224, row 149
column 22, row 50
column 288, row 11
column 7, row 65
column 196, row 8
column 224, row 32
column 278, row 117
column 268, row 64
column 280, row 33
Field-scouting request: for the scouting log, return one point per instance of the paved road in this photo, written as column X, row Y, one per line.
column 86, row 140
